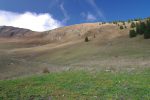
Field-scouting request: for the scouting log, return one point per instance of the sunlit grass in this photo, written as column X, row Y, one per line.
column 79, row 85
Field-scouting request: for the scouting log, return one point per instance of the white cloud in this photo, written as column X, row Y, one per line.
column 89, row 16
column 29, row 20
column 97, row 9
column 64, row 13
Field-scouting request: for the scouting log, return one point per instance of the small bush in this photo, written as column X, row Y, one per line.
column 137, row 19
column 133, row 25
column 129, row 21
column 115, row 22
column 94, row 36
column 142, row 28
column 86, row 39
column 147, row 34
column 121, row 27
column 45, row 70
column 132, row 34
column 103, row 22
column 123, row 23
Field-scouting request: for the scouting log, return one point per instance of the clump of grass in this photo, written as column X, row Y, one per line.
column 45, row 70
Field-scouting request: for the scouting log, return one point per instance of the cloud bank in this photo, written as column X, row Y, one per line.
column 29, row 20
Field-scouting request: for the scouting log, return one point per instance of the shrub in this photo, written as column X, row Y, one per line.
column 121, row 27
column 94, row 36
column 137, row 19
column 86, row 39
column 147, row 34
column 129, row 21
column 132, row 34
column 137, row 28
column 115, row 22
column 45, row 70
column 142, row 27
column 148, row 24
column 103, row 22
column 133, row 25
column 123, row 23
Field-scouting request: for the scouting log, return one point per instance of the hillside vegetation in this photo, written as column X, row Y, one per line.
column 86, row 61
column 79, row 85
column 141, row 27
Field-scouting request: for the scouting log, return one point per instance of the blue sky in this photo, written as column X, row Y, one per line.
column 68, row 12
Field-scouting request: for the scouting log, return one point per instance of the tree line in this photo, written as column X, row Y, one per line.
column 140, row 28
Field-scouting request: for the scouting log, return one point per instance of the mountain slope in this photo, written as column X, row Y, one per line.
column 64, row 49
column 110, row 66
column 65, row 34
column 8, row 31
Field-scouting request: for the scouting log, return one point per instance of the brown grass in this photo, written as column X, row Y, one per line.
column 66, row 50
column 46, row 70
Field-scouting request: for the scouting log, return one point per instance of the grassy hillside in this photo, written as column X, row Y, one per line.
column 25, row 56
column 121, row 54
column 110, row 66
column 79, row 85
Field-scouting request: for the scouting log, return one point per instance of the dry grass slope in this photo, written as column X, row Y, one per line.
column 109, row 66
column 64, row 49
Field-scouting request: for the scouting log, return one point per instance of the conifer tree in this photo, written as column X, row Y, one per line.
column 133, row 25
column 86, row 39
column 132, row 34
